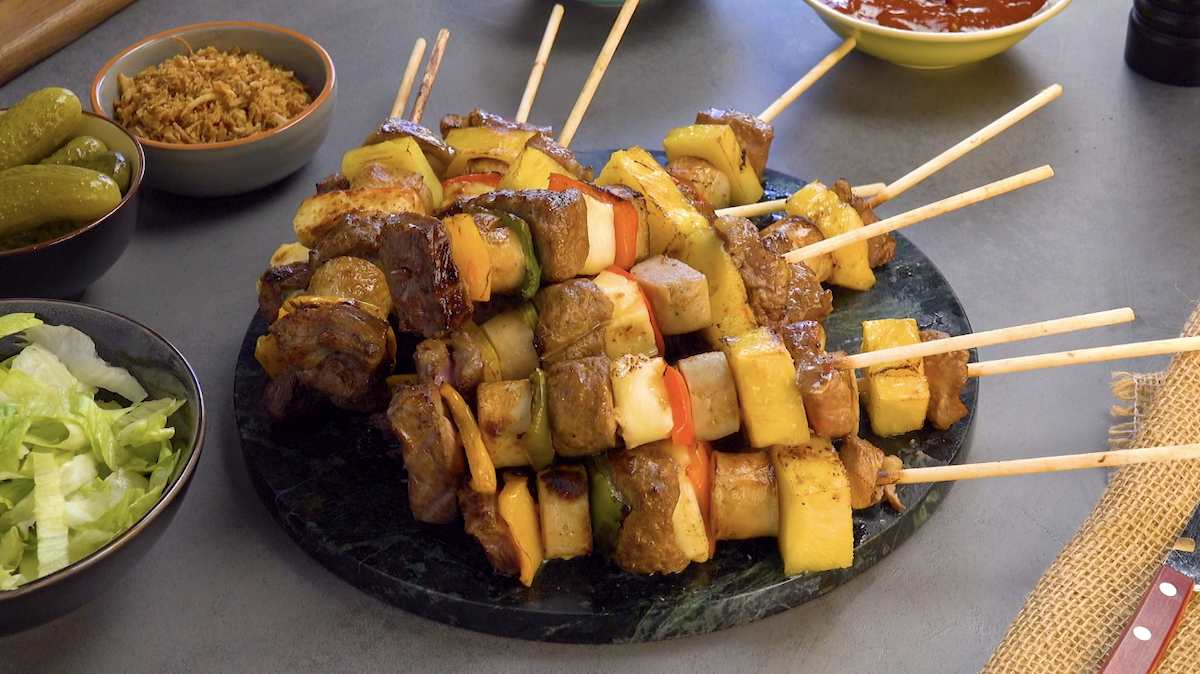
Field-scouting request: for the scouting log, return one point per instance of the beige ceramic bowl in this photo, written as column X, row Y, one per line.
column 234, row 167
column 932, row 50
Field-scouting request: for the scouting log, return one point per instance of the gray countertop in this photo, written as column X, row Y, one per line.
column 226, row 590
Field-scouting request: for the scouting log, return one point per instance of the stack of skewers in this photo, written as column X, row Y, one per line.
column 586, row 338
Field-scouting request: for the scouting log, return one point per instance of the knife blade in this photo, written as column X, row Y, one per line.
column 1145, row 638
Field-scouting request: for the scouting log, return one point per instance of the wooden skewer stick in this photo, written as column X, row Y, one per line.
column 431, row 69
column 1119, row 457
column 539, row 64
column 807, row 81
column 918, row 214
column 1094, row 355
column 598, row 70
column 970, row 143
column 987, row 338
column 776, row 205
column 410, row 74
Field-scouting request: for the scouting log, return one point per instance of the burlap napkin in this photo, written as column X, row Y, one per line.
column 1081, row 605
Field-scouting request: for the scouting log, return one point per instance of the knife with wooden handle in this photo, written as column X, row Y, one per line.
column 1145, row 639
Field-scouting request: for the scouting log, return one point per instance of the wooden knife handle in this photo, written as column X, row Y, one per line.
column 1145, row 639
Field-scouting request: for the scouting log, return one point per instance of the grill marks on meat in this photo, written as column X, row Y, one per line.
column 648, row 481
column 432, row 453
column 830, row 395
column 481, row 519
column 332, row 183
column 947, row 374
column 430, row 296
column 753, row 134
column 582, row 416
column 339, row 349
column 557, row 220
column 278, row 283
column 487, row 119
column 779, row 293
column 350, row 235
column 571, row 319
column 880, row 249
column 431, row 144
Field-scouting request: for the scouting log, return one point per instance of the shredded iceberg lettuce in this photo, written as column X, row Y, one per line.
column 74, row 472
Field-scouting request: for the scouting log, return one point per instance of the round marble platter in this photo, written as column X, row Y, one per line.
column 338, row 488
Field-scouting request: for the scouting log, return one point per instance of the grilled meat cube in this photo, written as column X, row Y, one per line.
column 436, row 150
column 287, row 399
column 479, row 117
column 278, row 283
column 340, row 349
column 582, row 417
column 709, row 182
column 572, row 316
column 862, row 461
column 562, row 156
column 779, row 293
column 332, row 183
column 947, row 374
column 432, row 453
column 648, row 481
column 350, row 235
column 880, row 249
column 753, row 134
column 830, row 395
column 468, row 364
column 429, row 294
column 481, row 519
column 557, row 221
column 433, row 364
column 791, row 232
column 702, row 206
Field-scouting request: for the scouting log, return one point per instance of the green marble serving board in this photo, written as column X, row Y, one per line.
column 338, row 488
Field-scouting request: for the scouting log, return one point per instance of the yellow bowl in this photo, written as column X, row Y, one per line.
column 932, row 50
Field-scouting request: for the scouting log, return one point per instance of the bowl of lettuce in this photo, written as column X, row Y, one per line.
column 101, row 427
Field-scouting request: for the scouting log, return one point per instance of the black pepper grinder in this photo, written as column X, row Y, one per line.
column 1163, row 41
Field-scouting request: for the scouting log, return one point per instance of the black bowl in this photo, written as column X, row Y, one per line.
column 63, row 268
column 163, row 371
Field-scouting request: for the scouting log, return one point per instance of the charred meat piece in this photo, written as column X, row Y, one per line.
column 433, row 363
column 947, row 374
column 429, row 294
column 562, row 156
column 753, row 134
column 648, row 481
column 779, row 293
column 698, row 202
column 339, row 348
column 435, row 149
column 830, row 395
column 791, row 232
column 880, row 249
column 481, row 519
column 277, row 284
column 350, row 235
column 862, row 461
column 582, row 417
column 557, row 221
column 431, row 450
column 332, row 183
column 572, row 316
column 468, row 364
column 484, row 118
column 287, row 399
column 708, row 182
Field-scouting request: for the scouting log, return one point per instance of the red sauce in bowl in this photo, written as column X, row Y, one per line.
column 939, row 16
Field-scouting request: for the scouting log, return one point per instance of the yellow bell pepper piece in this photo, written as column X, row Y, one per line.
column 518, row 510
column 483, row 471
column 470, row 255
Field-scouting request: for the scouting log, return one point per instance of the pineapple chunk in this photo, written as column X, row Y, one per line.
column 482, row 142
column 640, row 400
column 897, row 393
column 531, row 171
column 765, row 377
column 629, row 330
column 316, row 214
column 717, row 144
column 851, row 266
column 816, row 528
column 677, row 294
column 728, row 306
column 402, row 153
column 670, row 216
column 503, row 409
column 566, row 516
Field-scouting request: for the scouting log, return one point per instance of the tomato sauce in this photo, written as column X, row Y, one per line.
column 939, row 16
